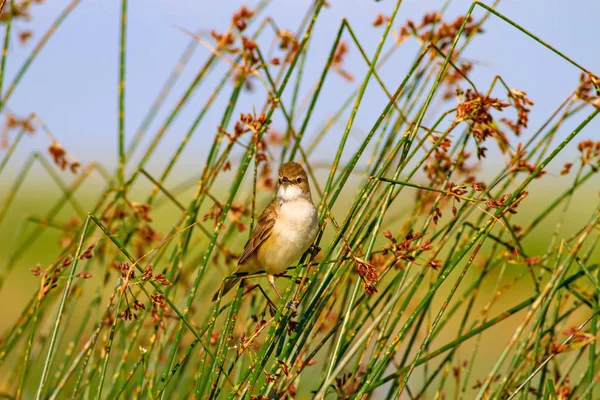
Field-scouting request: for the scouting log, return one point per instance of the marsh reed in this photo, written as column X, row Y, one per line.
column 424, row 246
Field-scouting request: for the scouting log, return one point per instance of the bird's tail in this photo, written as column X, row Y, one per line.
column 230, row 283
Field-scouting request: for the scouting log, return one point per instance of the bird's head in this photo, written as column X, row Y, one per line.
column 293, row 182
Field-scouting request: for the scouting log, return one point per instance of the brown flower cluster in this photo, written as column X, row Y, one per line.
column 531, row 261
column 440, row 161
column 566, row 168
column 14, row 122
column 141, row 210
column 438, row 167
column 247, row 123
column 69, row 229
column 520, row 164
column 158, row 300
column 238, row 131
column 348, row 384
column 564, row 391
column 49, row 282
column 36, row 271
column 246, row 342
column 21, row 10
column 241, row 17
column 479, row 186
column 588, row 89
column 235, row 214
column 404, row 250
column 501, row 201
column 251, row 60
column 410, row 27
column 24, row 36
column 338, row 60
column 255, row 125
column 145, row 237
column 214, row 213
column 440, row 33
column 437, row 214
column 476, row 108
column 253, row 122
column 478, row 384
column 288, row 43
column 114, row 213
column 436, row 264
column 265, row 178
column 578, row 340
column 521, row 103
column 59, row 156
column 87, row 254
column 589, row 152
column 225, row 41
column 128, row 314
column 381, row 19
column 147, row 273
column 455, row 191
column 127, row 274
column 367, row 273
column 275, row 137
column 160, row 278
column 158, row 303
column 456, row 370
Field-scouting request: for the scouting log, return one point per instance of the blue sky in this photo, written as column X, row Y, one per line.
column 72, row 85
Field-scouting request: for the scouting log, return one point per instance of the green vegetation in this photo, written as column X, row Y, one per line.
column 440, row 275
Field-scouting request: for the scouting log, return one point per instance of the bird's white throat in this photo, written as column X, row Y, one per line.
column 289, row 192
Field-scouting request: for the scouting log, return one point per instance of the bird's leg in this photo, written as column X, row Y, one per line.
column 249, row 289
column 292, row 304
column 271, row 280
column 270, row 303
column 314, row 250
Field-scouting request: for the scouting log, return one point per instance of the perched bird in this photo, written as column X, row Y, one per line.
column 284, row 231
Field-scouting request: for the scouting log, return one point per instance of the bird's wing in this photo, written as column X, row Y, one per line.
column 261, row 231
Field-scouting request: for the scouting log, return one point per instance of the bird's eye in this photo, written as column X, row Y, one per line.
column 299, row 180
column 280, row 181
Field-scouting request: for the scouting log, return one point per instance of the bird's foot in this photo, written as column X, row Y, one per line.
column 293, row 306
column 314, row 250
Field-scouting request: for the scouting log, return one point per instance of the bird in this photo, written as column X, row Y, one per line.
column 285, row 229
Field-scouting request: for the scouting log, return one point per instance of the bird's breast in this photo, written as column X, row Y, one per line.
column 294, row 231
column 296, row 217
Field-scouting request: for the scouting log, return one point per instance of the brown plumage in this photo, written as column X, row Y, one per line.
column 261, row 232
column 263, row 229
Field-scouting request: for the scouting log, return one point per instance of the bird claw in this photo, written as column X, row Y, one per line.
column 292, row 305
column 314, row 249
